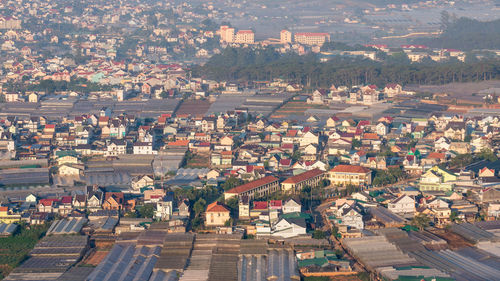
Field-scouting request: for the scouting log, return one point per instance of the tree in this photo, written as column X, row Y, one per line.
column 318, row 234
column 231, row 182
column 233, row 205
column 454, row 217
column 146, row 211
column 199, row 206
column 356, row 143
column 445, row 20
column 420, row 221
column 487, row 154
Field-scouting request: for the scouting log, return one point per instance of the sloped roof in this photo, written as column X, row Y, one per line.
column 350, row 169
column 216, row 207
column 251, row 185
column 304, row 176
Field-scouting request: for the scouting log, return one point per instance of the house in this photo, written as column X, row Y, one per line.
column 296, row 183
column 289, row 227
column 67, row 170
column 143, row 148
column 254, row 189
column 455, row 130
column 309, row 138
column 402, row 205
column 142, row 182
column 116, row 147
column 485, row 172
column 79, row 201
column 7, row 217
column 392, row 90
column 113, row 201
column 437, row 179
column 164, row 209
column 216, row 214
column 184, row 209
column 352, row 217
column 244, row 208
column 318, row 97
column 350, row 175
column 291, row 206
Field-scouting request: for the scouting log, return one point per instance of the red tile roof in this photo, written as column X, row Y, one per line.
column 216, row 207
column 179, row 143
column 275, row 204
column 260, row 205
column 304, row 176
column 350, row 169
column 253, row 184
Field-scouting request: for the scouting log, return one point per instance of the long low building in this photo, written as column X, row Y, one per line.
column 255, row 189
column 350, row 175
column 296, row 183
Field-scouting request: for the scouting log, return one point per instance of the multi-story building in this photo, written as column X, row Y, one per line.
column 255, row 189
column 226, row 34
column 309, row 38
column 216, row 214
column 285, row 37
column 310, row 178
column 245, row 37
column 350, row 174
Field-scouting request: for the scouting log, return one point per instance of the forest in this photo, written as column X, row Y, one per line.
column 465, row 34
column 243, row 64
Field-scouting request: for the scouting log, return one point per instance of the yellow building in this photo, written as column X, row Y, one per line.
column 285, row 37
column 309, row 38
column 350, row 174
column 6, row 217
column 245, row 37
column 216, row 214
column 437, row 179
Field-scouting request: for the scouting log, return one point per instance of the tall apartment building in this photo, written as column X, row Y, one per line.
column 245, row 37
column 230, row 35
column 313, row 39
column 226, row 34
column 285, row 37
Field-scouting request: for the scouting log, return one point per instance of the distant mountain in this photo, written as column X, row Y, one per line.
column 466, row 34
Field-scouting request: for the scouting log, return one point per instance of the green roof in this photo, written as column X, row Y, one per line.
column 62, row 153
column 296, row 215
column 409, row 228
column 316, row 261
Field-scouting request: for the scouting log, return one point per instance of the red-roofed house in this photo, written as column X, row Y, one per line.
column 216, row 214
column 254, row 189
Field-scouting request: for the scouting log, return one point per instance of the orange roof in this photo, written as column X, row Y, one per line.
column 304, row 176
column 436, row 155
column 179, row 143
column 370, row 136
column 252, row 185
column 350, row 169
column 216, row 207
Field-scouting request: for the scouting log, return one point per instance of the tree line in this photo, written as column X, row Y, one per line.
column 243, row 64
column 465, row 34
